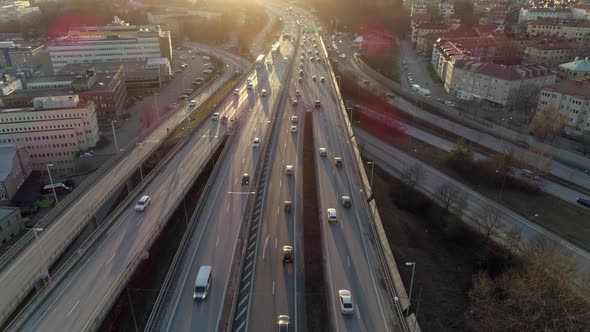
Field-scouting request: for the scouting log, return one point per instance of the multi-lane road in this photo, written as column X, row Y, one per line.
column 214, row 239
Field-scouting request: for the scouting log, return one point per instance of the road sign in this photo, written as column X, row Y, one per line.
column 312, row 29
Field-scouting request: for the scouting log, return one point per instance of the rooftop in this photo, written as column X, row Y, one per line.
column 555, row 44
column 576, row 88
column 578, row 65
column 558, row 22
column 7, row 152
column 5, row 211
column 508, row 73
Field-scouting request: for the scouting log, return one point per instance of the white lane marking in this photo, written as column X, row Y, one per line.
column 139, row 222
column 337, row 195
column 273, row 287
column 162, row 193
column 342, row 223
column 74, row 307
column 358, row 312
column 285, row 146
column 281, row 183
column 110, row 259
column 348, row 260
column 243, row 160
column 265, row 244
column 217, row 242
column 276, row 242
column 227, row 208
column 236, row 182
column 180, row 169
column 278, row 210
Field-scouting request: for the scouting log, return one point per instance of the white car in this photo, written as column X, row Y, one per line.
column 289, row 170
column 294, row 119
column 323, row 152
column 346, row 305
column 256, row 143
column 314, row 78
column 192, row 103
column 236, row 91
column 263, row 93
column 322, row 79
column 332, row 215
column 143, row 203
column 297, row 93
column 215, row 116
column 250, row 86
column 293, row 129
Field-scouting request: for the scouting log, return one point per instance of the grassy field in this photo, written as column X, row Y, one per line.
column 563, row 218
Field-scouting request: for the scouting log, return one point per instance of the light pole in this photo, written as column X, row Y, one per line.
column 139, row 145
column 371, row 181
column 113, row 122
column 413, row 265
column 51, row 180
column 35, row 230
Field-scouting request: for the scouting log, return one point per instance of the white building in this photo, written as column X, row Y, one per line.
column 532, row 14
column 11, row 223
column 15, row 168
column 571, row 98
column 115, row 42
column 18, row 11
column 55, row 131
column 418, row 9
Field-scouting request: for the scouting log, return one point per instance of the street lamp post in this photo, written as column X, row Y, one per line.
column 139, row 145
column 35, row 230
column 51, row 180
column 413, row 265
column 113, row 122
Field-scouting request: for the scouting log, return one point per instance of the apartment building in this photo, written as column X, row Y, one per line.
column 418, row 9
column 532, row 14
column 428, row 3
column 106, row 90
column 552, row 52
column 446, row 9
column 11, row 223
column 420, row 29
column 115, row 42
column 15, row 168
column 577, row 69
column 19, row 11
column 571, row 29
column 500, row 85
column 572, row 99
column 54, row 131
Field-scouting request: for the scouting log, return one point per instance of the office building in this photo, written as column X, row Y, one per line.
column 54, row 131
column 15, row 168
column 115, row 42
column 572, row 99
column 11, row 223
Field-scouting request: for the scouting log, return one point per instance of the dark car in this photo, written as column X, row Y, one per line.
column 245, row 179
column 583, row 201
column 287, row 254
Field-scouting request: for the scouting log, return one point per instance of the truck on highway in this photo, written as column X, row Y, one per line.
column 260, row 60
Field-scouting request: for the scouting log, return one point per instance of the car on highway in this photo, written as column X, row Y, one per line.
column 236, row 91
column 322, row 79
column 288, row 206
column 178, row 71
column 295, row 102
column 263, row 93
column 312, row 59
column 250, row 86
column 338, row 161
column 293, row 129
column 345, row 298
column 346, row 201
column 202, row 282
column 297, row 93
column 294, row 119
column 143, row 203
column 256, row 143
column 366, row 82
column 318, row 103
column 245, row 179
column 583, row 201
column 182, row 97
column 192, row 103
column 215, row 116
column 289, row 170
column 283, row 324
column 301, row 73
column 450, row 103
column 207, row 71
column 323, row 152
column 332, row 215
column 287, row 254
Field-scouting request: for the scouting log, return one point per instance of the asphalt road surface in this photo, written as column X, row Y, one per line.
column 215, row 235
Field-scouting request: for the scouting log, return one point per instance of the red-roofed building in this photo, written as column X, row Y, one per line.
column 427, row 27
column 552, row 52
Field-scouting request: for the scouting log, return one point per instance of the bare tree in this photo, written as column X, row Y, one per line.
column 547, row 123
column 412, row 175
column 537, row 295
column 448, row 194
column 490, row 221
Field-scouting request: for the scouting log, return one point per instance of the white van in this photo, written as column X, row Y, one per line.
column 202, row 282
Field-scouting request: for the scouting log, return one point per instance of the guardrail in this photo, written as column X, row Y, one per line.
column 84, row 219
column 384, row 255
column 250, row 231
